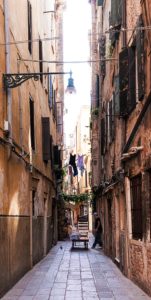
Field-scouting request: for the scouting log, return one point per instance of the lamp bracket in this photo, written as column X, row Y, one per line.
column 14, row 80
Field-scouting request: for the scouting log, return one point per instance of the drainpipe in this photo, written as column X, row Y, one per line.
column 7, row 60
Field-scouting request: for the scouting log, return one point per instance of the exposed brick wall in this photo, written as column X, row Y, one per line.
column 140, row 265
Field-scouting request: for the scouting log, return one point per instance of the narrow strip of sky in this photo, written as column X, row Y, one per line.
column 77, row 22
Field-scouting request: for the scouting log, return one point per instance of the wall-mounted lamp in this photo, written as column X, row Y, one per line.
column 14, row 80
column 70, row 87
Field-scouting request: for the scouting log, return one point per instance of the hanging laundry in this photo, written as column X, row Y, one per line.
column 80, row 164
column 73, row 164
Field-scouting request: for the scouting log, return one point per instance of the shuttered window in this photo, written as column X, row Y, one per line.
column 57, row 156
column 50, row 91
column 103, row 138
column 136, row 207
column 123, row 80
column 54, row 104
column 127, row 80
column 116, row 95
column 51, row 150
column 97, row 90
column 150, row 201
column 102, row 51
column 40, row 60
column 29, row 27
column 140, row 60
column 32, row 123
column 111, row 120
column 131, row 99
column 46, row 139
column 115, row 19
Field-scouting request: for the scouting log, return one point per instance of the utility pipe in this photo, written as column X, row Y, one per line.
column 7, row 60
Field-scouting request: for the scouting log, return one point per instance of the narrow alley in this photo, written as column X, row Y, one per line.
column 75, row 274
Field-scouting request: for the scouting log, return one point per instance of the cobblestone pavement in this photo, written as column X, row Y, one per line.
column 75, row 274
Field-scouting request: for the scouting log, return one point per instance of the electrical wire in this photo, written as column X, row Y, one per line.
column 69, row 62
column 29, row 41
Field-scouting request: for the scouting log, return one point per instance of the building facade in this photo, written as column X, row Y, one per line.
column 122, row 86
column 28, row 134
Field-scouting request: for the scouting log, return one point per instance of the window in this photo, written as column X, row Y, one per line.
column 86, row 179
column 46, row 145
column 111, row 120
column 32, row 126
column 115, row 19
column 100, row 2
column 136, row 207
column 150, row 201
column 102, row 51
column 33, row 202
column 127, row 80
column 50, row 91
column 57, row 156
column 97, row 90
column 29, row 27
column 40, row 60
column 140, row 60
column 54, row 104
column 103, row 137
column 131, row 97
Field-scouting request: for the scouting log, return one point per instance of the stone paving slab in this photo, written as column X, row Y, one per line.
column 81, row 275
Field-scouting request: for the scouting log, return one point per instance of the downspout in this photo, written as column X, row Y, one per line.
column 7, row 60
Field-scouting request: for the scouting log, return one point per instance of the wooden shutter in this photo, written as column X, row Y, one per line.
column 102, row 50
column 46, row 138
column 123, row 80
column 40, row 60
column 97, row 90
column 50, row 91
column 116, row 95
column 29, row 27
column 140, row 60
column 136, row 207
column 51, row 150
column 116, row 12
column 103, row 139
column 115, row 19
column 131, row 99
column 111, row 120
column 57, row 156
column 32, row 123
